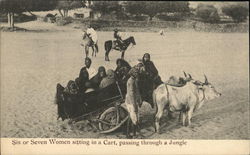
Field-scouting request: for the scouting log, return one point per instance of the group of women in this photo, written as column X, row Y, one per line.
column 87, row 81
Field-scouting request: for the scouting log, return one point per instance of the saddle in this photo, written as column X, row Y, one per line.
column 119, row 46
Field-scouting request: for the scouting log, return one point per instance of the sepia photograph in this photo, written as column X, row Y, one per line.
column 151, row 70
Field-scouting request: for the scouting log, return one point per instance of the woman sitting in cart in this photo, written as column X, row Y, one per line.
column 108, row 80
column 96, row 80
column 122, row 69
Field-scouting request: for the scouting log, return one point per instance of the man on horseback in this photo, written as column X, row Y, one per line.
column 119, row 44
column 93, row 36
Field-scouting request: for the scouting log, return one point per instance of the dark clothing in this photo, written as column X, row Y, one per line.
column 150, row 69
column 116, row 36
column 82, row 79
column 153, row 73
column 96, row 80
column 122, row 70
column 118, row 41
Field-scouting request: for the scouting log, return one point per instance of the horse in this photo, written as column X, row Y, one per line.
column 110, row 45
column 87, row 42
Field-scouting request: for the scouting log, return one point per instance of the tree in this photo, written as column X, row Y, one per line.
column 66, row 5
column 207, row 13
column 106, row 7
column 237, row 12
column 18, row 6
column 152, row 8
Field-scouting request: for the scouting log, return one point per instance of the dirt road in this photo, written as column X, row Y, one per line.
column 33, row 62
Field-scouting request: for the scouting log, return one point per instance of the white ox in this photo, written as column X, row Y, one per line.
column 185, row 99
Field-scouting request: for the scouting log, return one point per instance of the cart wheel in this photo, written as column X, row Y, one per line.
column 111, row 119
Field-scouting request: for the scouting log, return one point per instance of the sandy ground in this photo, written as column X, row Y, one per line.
column 33, row 62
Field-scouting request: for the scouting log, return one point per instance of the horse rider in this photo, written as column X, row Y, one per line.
column 93, row 36
column 118, row 37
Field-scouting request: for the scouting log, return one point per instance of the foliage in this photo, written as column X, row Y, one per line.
column 237, row 12
column 106, row 7
column 18, row 6
column 152, row 8
column 207, row 13
column 64, row 21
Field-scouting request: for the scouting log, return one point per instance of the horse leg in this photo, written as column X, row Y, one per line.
column 87, row 51
column 93, row 50
column 107, row 55
column 122, row 56
column 96, row 47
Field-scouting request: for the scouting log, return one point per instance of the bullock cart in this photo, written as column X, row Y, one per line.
column 103, row 108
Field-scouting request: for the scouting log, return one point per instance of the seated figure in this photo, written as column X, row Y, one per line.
column 96, row 80
column 108, row 80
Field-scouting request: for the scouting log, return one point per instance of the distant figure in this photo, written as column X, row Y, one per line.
column 161, row 32
column 93, row 35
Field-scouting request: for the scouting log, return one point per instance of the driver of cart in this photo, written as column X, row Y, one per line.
column 91, row 71
column 96, row 80
column 108, row 80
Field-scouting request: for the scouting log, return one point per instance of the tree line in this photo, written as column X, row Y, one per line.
column 207, row 13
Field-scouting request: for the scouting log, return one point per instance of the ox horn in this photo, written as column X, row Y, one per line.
column 190, row 76
column 206, row 81
column 185, row 74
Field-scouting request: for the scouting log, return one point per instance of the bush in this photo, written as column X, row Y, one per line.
column 139, row 17
column 237, row 12
column 172, row 17
column 208, row 13
column 64, row 21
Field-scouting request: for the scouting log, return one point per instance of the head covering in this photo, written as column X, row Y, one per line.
column 124, row 63
column 116, row 30
column 146, row 54
column 101, row 68
column 110, row 74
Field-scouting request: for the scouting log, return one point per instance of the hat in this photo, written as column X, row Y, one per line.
column 115, row 29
